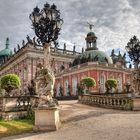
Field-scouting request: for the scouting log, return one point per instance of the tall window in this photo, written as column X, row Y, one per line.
column 58, row 90
column 119, row 84
column 102, row 83
column 66, row 90
column 74, row 86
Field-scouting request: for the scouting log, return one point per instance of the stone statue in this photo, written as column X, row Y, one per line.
column 18, row 47
column 45, row 80
column 23, row 43
column 15, row 50
column 64, row 46
column 29, row 39
column 112, row 52
column 124, row 56
column 90, row 25
column 136, row 81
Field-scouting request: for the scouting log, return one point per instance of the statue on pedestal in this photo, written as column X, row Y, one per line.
column 136, row 81
column 45, row 80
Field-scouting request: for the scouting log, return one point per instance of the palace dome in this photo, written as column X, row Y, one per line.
column 92, row 56
column 91, row 34
column 7, row 51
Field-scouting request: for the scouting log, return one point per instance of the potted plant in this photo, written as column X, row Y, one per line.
column 110, row 84
column 87, row 83
column 10, row 82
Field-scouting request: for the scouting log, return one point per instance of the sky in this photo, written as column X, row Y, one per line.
column 115, row 22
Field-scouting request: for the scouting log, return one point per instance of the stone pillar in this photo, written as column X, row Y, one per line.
column 47, row 55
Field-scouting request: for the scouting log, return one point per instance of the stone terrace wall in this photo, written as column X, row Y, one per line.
column 15, row 107
column 123, row 103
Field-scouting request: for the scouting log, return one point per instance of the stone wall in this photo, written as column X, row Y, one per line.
column 15, row 107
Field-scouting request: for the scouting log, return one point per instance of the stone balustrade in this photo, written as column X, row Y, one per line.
column 125, row 103
column 16, row 106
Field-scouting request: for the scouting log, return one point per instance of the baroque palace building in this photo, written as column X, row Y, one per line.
column 69, row 66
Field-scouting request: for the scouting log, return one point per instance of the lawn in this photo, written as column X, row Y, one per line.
column 14, row 127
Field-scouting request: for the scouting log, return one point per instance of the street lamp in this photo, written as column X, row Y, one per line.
column 47, row 25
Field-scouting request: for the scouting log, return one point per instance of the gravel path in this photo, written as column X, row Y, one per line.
column 81, row 122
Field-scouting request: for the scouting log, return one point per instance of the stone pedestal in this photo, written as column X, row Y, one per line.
column 46, row 119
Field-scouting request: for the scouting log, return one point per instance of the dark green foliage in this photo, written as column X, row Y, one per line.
column 10, row 82
column 110, row 83
column 133, row 49
column 80, row 88
column 88, row 82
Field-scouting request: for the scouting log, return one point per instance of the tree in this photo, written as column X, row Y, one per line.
column 110, row 84
column 10, row 82
column 88, row 82
column 133, row 49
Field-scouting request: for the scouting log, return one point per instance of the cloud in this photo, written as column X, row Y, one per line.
column 116, row 21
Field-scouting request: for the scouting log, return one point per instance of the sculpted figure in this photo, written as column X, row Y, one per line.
column 136, row 81
column 45, row 80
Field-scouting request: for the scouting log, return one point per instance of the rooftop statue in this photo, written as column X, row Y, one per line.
column 18, row 47
column 23, row 43
column 29, row 39
column 90, row 25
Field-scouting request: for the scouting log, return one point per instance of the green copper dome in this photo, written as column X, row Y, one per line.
column 7, row 51
column 91, row 34
column 100, row 55
column 92, row 56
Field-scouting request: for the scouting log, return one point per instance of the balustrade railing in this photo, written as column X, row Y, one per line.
column 125, row 103
column 16, row 103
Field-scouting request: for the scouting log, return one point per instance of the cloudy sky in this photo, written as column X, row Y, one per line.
column 116, row 21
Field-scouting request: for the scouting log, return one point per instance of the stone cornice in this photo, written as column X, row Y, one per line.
column 30, row 51
column 91, row 66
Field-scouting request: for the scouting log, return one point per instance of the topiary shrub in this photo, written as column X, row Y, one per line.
column 88, row 82
column 110, row 84
column 10, row 82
